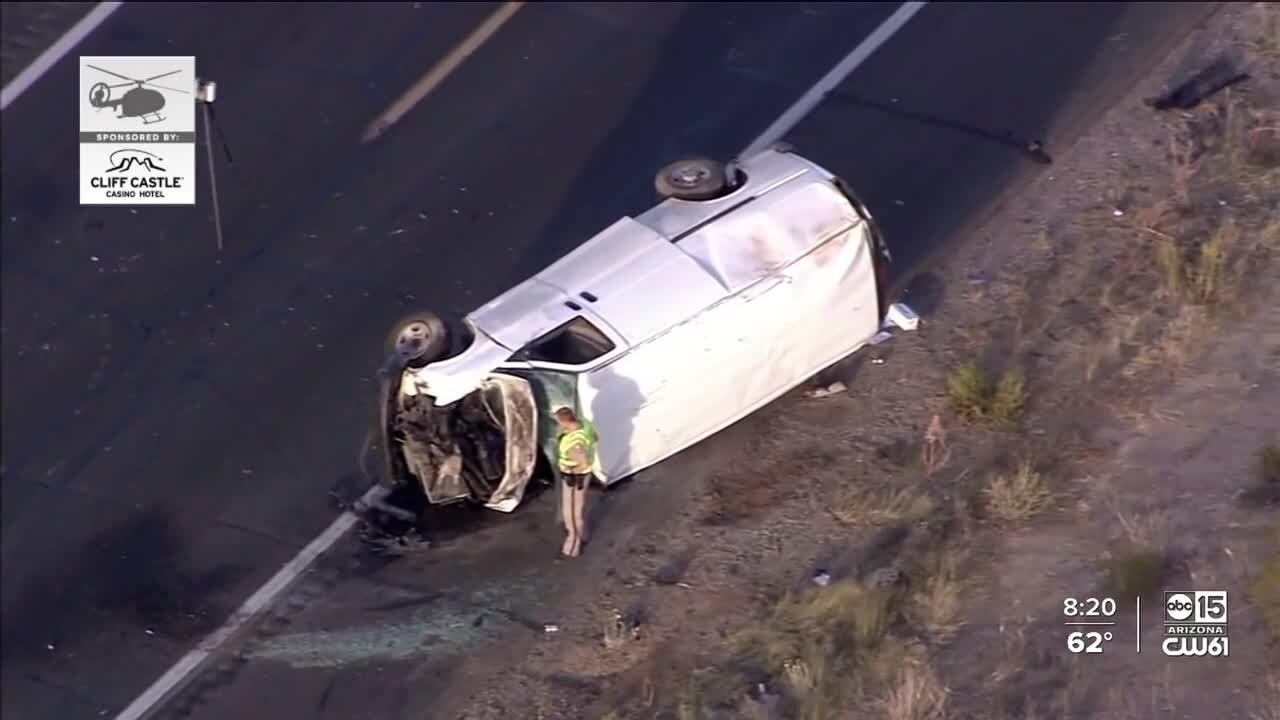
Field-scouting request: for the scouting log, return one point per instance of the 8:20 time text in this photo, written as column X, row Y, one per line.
column 1089, row 607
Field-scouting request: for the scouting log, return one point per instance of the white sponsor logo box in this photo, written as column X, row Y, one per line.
column 137, row 130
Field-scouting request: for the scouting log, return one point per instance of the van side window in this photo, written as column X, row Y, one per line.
column 576, row 342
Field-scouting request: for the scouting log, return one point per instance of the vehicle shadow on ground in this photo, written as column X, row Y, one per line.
column 706, row 88
column 625, row 394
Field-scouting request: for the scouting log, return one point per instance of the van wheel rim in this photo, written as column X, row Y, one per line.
column 412, row 340
column 689, row 175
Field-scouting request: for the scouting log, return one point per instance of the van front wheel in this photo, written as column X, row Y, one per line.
column 417, row 339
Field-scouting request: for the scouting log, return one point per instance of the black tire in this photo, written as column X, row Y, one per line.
column 692, row 178
column 418, row 338
column 386, row 464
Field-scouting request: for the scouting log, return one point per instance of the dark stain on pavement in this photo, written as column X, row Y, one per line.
column 138, row 577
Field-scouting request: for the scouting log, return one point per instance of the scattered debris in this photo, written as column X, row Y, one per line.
column 902, row 316
column 828, row 391
column 1217, row 76
column 551, row 628
column 884, row 577
column 880, row 337
column 936, row 453
column 821, row 578
column 622, row 628
column 976, row 278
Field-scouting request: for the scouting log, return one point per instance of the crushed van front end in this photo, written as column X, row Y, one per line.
column 478, row 448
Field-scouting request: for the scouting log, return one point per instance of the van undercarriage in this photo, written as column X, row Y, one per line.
column 456, row 451
column 480, row 448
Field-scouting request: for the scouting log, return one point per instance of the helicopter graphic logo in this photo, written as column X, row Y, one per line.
column 140, row 101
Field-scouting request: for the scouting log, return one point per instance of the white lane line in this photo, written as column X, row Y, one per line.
column 259, row 601
column 440, row 71
column 56, row 52
column 815, row 94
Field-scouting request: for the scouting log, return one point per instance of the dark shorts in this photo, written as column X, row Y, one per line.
column 577, row 481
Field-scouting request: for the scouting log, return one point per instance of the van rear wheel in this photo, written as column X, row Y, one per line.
column 693, row 178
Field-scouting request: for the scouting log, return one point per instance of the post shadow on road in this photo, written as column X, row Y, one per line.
column 956, row 142
column 1033, row 149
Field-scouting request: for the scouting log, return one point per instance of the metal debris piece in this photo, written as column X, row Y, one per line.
column 884, row 577
column 1217, row 76
column 902, row 316
column 821, row 578
column 828, row 391
column 551, row 628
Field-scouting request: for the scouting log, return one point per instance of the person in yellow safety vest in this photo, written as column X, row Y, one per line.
column 577, row 455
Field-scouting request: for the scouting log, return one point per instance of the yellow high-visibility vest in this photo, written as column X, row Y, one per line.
column 585, row 436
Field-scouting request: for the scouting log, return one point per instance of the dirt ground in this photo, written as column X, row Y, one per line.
column 1085, row 416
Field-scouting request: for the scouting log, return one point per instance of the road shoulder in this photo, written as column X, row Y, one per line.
column 1084, row 416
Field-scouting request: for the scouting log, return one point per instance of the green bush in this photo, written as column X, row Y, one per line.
column 973, row 397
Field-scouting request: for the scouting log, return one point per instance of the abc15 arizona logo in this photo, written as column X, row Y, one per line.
column 1195, row 623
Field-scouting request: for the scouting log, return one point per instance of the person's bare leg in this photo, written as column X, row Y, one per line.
column 576, row 503
column 566, row 512
column 580, row 511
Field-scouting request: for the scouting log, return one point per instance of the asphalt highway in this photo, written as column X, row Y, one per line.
column 173, row 419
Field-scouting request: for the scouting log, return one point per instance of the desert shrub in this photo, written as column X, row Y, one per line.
column 974, row 397
column 1134, row 573
column 1016, row 496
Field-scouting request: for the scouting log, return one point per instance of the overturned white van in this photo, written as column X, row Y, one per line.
column 662, row 329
